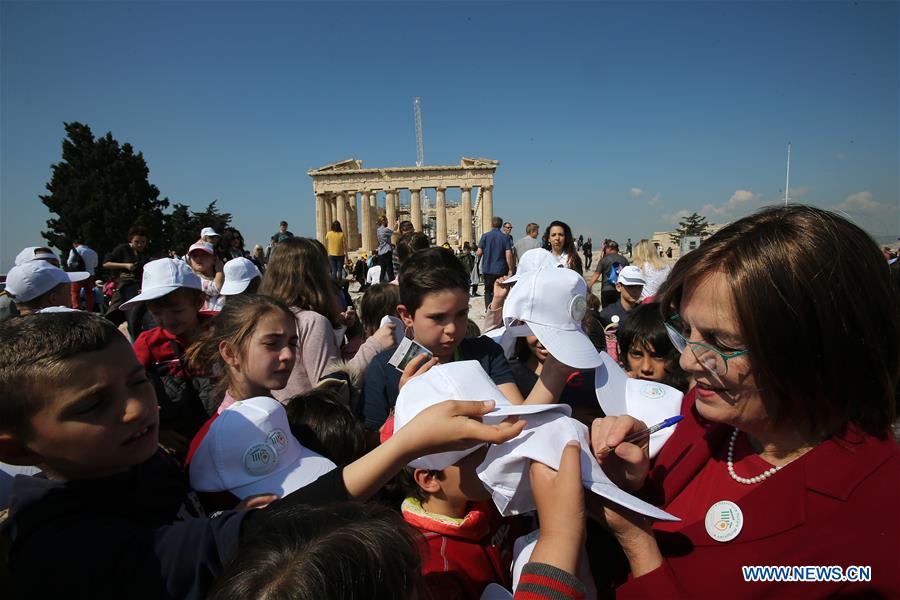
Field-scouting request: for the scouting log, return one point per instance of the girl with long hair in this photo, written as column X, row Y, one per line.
column 654, row 268
column 297, row 274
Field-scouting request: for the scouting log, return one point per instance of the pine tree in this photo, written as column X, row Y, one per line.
column 692, row 225
column 98, row 191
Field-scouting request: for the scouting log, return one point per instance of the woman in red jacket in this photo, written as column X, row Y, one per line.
column 786, row 321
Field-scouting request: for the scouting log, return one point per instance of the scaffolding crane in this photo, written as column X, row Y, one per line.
column 420, row 162
column 420, row 145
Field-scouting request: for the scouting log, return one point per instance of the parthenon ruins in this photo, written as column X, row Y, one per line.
column 337, row 185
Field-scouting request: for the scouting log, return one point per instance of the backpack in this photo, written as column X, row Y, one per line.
column 613, row 277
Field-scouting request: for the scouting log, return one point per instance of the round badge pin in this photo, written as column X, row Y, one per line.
column 260, row 459
column 577, row 308
column 724, row 521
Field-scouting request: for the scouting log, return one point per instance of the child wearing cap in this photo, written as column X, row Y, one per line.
column 36, row 284
column 467, row 545
column 241, row 276
column 173, row 295
column 115, row 517
column 201, row 257
column 629, row 286
column 434, row 305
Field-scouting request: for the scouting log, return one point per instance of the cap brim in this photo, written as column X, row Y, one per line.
column 75, row 276
column 310, row 467
column 517, row 410
column 572, row 348
column 151, row 294
column 233, row 288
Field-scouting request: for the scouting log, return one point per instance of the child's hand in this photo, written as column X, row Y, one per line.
column 453, row 425
column 416, row 367
column 256, row 501
column 385, row 335
column 500, row 291
column 348, row 317
column 556, row 368
column 559, row 497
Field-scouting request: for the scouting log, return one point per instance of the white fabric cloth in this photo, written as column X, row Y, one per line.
column 373, row 276
column 653, row 278
column 505, row 468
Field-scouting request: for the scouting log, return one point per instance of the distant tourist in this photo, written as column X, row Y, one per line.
column 385, row 250
column 655, row 271
column 495, row 248
column 82, row 258
column 588, row 249
column 609, row 268
column 562, row 245
column 530, row 240
column 282, row 233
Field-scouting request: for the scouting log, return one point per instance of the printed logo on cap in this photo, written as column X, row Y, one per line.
column 260, row 459
column 278, row 440
column 652, row 391
column 577, row 308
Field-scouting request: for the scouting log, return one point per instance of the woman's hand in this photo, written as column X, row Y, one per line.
column 500, row 292
column 452, row 425
column 629, row 464
column 417, row 366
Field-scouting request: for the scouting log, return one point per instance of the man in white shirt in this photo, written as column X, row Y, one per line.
column 82, row 258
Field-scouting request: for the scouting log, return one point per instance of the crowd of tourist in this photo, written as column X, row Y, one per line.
column 305, row 421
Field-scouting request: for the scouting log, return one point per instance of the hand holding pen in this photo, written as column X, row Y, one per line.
column 639, row 436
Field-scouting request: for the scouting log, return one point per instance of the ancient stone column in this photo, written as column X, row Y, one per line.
column 465, row 211
column 366, row 221
column 487, row 207
column 415, row 209
column 329, row 212
column 373, row 218
column 440, row 213
column 320, row 217
column 341, row 215
column 390, row 208
column 353, row 218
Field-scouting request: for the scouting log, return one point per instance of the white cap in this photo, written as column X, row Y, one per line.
column 204, row 246
column 534, row 259
column 651, row 402
column 249, row 449
column 552, row 302
column 239, row 272
column 33, row 253
column 461, row 380
column 208, row 231
column 35, row 278
column 163, row 276
column 631, row 275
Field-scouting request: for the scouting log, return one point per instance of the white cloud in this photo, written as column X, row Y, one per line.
column 740, row 200
column 863, row 204
column 636, row 192
column 654, row 201
column 674, row 218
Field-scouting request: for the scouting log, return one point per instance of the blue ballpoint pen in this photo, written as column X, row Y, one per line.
column 643, row 433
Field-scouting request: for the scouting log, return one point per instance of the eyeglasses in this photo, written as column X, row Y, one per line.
column 711, row 358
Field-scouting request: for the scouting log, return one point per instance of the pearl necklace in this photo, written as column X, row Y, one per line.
column 746, row 480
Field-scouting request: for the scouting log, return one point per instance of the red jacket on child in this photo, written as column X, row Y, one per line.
column 463, row 555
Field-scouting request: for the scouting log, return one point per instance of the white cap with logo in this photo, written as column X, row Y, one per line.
column 552, row 302
column 249, row 449
column 34, row 253
column 631, row 275
column 208, row 231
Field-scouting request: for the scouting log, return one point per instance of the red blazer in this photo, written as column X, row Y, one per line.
column 839, row 504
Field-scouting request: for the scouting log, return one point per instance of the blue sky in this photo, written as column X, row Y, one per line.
column 616, row 117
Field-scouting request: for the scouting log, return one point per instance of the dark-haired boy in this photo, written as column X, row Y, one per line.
column 434, row 304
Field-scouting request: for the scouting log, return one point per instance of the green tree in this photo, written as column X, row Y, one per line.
column 182, row 225
column 98, row 191
column 691, row 225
